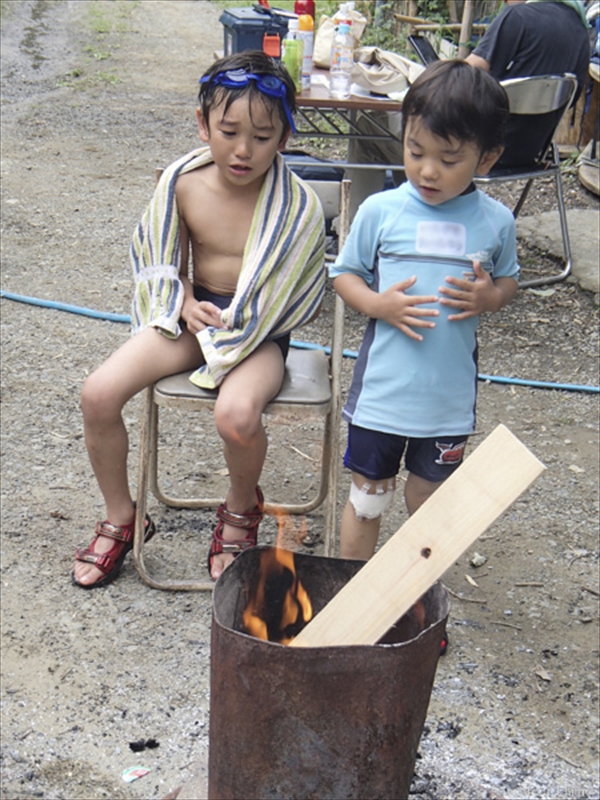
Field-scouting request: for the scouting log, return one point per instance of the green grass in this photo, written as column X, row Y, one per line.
column 97, row 55
column 110, row 17
column 79, row 80
column 104, row 20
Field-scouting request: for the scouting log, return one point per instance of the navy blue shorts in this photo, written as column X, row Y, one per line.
column 376, row 455
column 224, row 300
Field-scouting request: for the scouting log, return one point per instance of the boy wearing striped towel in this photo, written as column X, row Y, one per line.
column 255, row 233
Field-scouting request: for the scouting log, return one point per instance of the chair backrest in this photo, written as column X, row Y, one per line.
column 537, row 105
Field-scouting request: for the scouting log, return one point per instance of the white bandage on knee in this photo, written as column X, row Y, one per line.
column 371, row 506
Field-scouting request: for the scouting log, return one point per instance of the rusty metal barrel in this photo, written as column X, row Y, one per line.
column 320, row 722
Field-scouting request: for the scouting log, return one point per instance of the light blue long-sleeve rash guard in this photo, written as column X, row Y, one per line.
column 422, row 388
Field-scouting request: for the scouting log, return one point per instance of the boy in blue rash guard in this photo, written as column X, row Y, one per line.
column 422, row 262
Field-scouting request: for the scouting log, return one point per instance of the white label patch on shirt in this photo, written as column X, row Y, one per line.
column 441, row 238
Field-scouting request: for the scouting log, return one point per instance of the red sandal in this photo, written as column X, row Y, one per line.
column 110, row 563
column 248, row 522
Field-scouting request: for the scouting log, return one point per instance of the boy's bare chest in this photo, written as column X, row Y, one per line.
column 222, row 228
column 218, row 222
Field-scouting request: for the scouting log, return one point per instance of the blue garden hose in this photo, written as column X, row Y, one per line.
column 125, row 318
column 86, row 312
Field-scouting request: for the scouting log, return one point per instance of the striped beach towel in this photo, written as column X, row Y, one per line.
column 281, row 283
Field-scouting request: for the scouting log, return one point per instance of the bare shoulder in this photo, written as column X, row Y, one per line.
column 189, row 184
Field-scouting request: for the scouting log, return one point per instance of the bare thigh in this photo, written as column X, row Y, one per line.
column 254, row 383
column 140, row 361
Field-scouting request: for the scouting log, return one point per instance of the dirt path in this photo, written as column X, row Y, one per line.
column 95, row 96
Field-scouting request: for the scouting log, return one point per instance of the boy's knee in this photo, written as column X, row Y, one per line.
column 95, row 401
column 369, row 505
column 88, row 396
column 236, row 421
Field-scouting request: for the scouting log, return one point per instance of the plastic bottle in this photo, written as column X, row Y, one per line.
column 292, row 50
column 305, row 7
column 306, row 32
column 342, row 56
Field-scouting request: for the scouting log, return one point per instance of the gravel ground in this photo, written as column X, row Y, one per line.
column 95, row 96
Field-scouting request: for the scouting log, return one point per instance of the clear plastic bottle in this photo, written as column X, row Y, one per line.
column 306, row 32
column 292, row 50
column 342, row 56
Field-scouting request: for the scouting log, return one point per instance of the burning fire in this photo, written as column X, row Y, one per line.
column 279, row 607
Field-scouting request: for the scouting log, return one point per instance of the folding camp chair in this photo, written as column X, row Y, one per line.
column 537, row 105
column 311, row 386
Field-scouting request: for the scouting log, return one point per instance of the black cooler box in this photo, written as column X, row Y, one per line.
column 244, row 28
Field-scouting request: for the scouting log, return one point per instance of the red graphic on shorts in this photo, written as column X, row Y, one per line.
column 450, row 453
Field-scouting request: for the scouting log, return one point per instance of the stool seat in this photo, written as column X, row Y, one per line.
column 306, row 382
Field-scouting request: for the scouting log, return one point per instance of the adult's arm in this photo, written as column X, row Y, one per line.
column 477, row 61
column 500, row 43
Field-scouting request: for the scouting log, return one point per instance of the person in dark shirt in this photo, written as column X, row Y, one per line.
column 537, row 37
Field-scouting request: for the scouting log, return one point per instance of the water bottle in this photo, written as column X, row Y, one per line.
column 292, row 50
column 342, row 57
column 306, row 32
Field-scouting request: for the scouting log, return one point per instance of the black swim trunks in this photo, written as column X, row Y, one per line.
column 223, row 301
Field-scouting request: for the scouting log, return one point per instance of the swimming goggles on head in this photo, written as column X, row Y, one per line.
column 270, row 85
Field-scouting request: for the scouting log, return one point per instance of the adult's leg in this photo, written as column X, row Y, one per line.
column 138, row 363
column 366, row 182
column 243, row 396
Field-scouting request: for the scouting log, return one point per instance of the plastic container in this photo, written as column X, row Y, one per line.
column 292, row 51
column 342, row 57
column 272, row 45
column 245, row 28
column 306, row 33
column 305, row 7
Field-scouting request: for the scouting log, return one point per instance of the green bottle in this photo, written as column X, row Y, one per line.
column 292, row 52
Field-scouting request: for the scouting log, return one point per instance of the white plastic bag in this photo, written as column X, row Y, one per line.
column 383, row 72
column 324, row 37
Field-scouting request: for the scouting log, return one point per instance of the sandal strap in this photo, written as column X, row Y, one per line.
column 248, row 520
column 110, row 563
column 221, row 545
column 235, row 546
column 120, row 533
column 104, row 561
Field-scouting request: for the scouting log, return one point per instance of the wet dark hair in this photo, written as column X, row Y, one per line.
column 456, row 100
column 212, row 94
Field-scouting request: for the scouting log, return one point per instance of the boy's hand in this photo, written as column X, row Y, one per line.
column 201, row 315
column 472, row 297
column 402, row 310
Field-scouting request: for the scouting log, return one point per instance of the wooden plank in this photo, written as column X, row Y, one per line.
column 419, row 553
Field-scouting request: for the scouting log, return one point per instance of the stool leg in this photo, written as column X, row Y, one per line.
column 148, row 431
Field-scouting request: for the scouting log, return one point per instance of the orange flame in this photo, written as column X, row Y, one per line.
column 280, row 606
